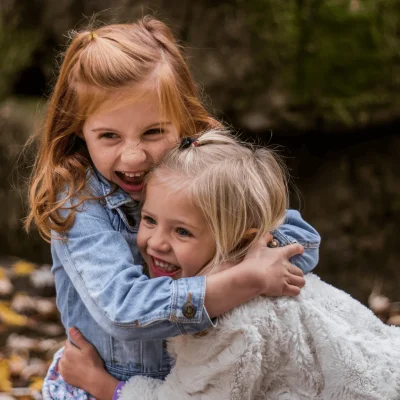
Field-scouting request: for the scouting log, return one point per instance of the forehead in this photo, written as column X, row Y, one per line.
column 138, row 112
column 94, row 100
column 166, row 201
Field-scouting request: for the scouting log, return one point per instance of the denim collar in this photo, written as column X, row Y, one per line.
column 116, row 199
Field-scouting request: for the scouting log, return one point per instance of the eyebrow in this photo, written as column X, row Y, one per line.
column 175, row 221
column 159, row 124
column 163, row 123
column 179, row 222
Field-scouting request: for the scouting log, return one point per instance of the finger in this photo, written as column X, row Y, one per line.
column 78, row 339
column 295, row 270
column 295, row 280
column 262, row 241
column 268, row 237
column 293, row 249
column 291, row 291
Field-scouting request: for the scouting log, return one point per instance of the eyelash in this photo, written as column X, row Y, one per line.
column 148, row 219
column 188, row 234
column 179, row 231
column 154, row 131
column 108, row 135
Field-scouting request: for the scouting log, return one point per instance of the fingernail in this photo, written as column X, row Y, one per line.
column 73, row 331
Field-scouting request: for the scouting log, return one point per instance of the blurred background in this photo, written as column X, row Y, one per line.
column 320, row 78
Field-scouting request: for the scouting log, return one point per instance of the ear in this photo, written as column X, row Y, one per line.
column 250, row 234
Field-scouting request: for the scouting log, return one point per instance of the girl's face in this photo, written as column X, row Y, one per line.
column 173, row 237
column 125, row 141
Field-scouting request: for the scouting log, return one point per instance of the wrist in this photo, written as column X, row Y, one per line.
column 227, row 289
column 102, row 385
column 248, row 278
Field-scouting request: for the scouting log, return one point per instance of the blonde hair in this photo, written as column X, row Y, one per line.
column 240, row 189
column 111, row 58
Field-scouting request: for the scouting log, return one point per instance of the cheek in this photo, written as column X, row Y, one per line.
column 142, row 238
column 158, row 151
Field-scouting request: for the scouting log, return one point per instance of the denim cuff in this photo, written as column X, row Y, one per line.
column 306, row 261
column 187, row 308
column 283, row 240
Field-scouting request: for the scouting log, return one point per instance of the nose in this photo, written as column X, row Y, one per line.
column 133, row 154
column 159, row 241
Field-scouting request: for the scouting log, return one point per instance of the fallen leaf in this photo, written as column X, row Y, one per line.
column 6, row 287
column 21, row 343
column 23, row 268
column 11, row 318
column 22, row 303
column 395, row 320
column 37, row 384
column 5, row 383
column 16, row 364
column 42, row 277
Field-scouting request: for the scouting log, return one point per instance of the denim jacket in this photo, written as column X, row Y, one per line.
column 102, row 290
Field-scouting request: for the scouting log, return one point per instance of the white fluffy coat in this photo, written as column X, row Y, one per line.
column 322, row 344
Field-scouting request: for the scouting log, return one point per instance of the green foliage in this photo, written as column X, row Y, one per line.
column 338, row 59
column 16, row 48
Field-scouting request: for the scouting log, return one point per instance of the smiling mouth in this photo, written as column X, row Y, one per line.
column 162, row 268
column 131, row 182
column 129, row 178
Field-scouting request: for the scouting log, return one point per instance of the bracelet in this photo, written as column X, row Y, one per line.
column 117, row 391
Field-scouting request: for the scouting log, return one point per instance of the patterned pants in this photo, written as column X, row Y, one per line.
column 55, row 388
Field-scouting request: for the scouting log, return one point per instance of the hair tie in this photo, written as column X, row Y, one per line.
column 92, row 35
column 187, row 141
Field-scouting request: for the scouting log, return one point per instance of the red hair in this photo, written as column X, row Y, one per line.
column 111, row 58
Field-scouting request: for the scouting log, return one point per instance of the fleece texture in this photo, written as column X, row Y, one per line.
column 320, row 345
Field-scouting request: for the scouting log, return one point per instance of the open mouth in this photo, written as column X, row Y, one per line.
column 131, row 181
column 162, row 268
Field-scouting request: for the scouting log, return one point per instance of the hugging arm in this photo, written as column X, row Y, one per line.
column 132, row 307
column 210, row 367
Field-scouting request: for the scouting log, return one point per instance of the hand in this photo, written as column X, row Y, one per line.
column 82, row 366
column 273, row 269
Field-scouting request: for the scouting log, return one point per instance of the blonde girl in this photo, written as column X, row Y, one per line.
column 124, row 97
column 222, row 198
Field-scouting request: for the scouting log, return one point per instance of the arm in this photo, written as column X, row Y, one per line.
column 128, row 305
column 123, row 301
column 223, row 365
column 205, row 368
column 81, row 366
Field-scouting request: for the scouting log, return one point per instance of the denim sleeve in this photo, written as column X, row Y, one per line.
column 295, row 229
column 100, row 265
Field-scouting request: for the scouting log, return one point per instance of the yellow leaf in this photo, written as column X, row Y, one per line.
column 23, row 268
column 37, row 383
column 16, row 364
column 11, row 318
column 5, row 383
column 3, row 273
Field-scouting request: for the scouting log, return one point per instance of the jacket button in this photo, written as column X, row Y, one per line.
column 273, row 243
column 189, row 310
